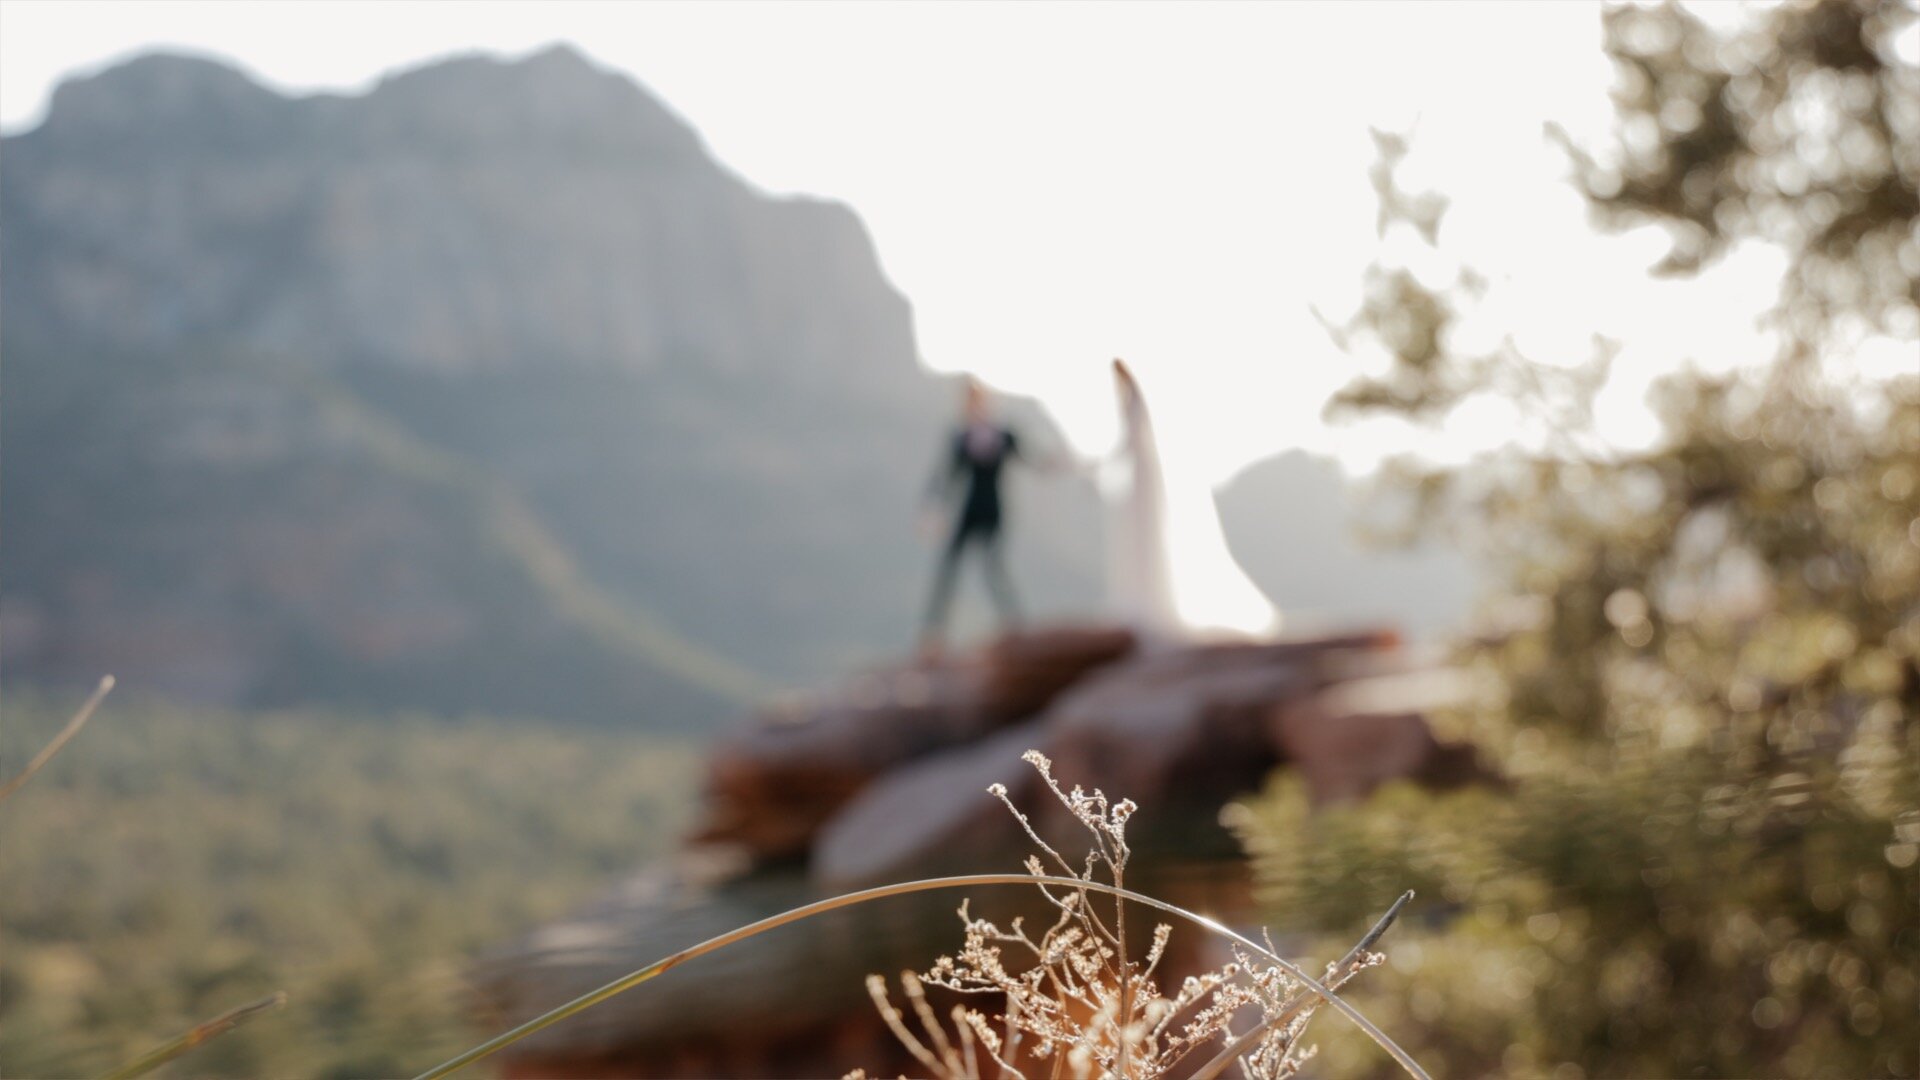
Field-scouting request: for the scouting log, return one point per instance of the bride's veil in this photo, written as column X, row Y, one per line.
column 1140, row 566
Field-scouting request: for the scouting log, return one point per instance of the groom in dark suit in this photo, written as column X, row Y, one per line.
column 975, row 456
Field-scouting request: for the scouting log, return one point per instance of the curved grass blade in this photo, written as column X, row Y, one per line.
column 805, row 911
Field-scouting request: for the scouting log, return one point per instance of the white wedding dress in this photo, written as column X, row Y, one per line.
column 1141, row 555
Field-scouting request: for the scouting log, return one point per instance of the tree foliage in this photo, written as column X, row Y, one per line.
column 1702, row 671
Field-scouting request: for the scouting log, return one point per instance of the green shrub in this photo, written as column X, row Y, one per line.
column 173, row 863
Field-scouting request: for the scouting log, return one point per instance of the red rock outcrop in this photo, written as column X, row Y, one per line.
column 774, row 784
column 884, row 779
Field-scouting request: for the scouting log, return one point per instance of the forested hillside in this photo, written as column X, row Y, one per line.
column 489, row 389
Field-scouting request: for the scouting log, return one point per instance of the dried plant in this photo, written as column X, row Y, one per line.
column 1075, row 1004
column 1127, row 1019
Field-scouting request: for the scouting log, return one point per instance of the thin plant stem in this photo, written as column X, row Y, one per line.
column 1126, row 969
column 896, row 1023
column 1239, row 1045
column 200, row 1034
column 66, row 733
column 832, row 903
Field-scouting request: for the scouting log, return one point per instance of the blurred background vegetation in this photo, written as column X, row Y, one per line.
column 176, row 862
column 1700, row 672
column 1698, row 668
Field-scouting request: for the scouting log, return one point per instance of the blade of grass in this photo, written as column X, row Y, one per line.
column 66, row 733
column 1239, row 1045
column 805, row 911
column 199, row 1035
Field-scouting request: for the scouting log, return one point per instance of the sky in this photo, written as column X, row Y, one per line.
column 1055, row 185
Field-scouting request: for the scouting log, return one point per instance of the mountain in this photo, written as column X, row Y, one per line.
column 490, row 390
column 487, row 390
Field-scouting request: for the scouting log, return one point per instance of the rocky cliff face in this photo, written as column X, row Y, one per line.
column 489, row 389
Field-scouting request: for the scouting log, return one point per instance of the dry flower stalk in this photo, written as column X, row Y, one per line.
column 1075, row 1004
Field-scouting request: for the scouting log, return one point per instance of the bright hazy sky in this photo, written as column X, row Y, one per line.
column 1056, row 185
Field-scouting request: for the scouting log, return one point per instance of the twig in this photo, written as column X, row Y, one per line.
column 66, row 733
column 212, row 1029
column 1239, row 1045
column 1365, row 943
column 896, row 1023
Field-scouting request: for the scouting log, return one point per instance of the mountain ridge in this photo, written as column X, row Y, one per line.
column 488, row 389
column 673, row 405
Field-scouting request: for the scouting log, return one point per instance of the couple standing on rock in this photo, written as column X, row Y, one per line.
column 1139, row 572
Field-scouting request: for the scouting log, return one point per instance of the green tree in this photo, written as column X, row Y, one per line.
column 1704, row 680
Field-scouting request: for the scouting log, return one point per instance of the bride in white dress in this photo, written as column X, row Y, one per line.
column 1144, row 555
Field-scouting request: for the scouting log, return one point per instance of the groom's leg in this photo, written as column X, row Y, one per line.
column 934, row 628
column 998, row 583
